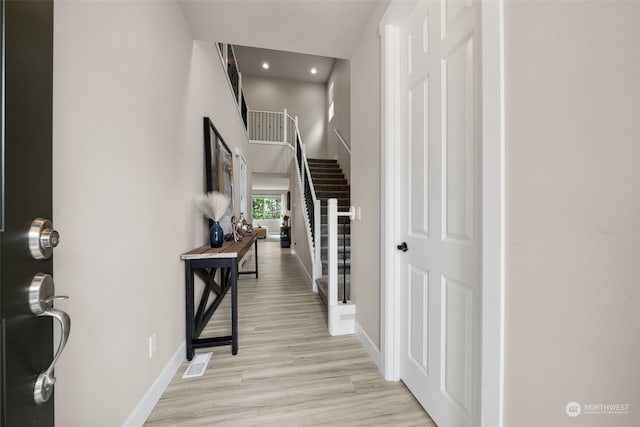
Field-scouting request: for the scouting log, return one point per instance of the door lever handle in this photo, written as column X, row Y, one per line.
column 403, row 247
column 41, row 298
column 49, row 300
column 43, row 389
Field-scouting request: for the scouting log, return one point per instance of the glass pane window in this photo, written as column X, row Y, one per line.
column 331, row 111
column 266, row 207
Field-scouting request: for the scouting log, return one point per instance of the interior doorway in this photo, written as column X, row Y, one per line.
column 489, row 360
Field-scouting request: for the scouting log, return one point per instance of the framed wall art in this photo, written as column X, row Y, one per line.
column 218, row 168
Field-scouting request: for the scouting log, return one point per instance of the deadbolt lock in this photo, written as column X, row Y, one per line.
column 42, row 238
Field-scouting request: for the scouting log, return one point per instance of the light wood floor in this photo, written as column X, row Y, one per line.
column 288, row 370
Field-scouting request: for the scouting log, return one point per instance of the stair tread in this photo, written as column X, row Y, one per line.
column 323, row 285
column 325, row 279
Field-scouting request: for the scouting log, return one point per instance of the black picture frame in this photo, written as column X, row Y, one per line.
column 218, row 169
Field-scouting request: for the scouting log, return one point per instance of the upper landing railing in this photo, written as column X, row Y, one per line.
column 234, row 77
column 270, row 127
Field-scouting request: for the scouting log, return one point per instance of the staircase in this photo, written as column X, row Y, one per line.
column 330, row 183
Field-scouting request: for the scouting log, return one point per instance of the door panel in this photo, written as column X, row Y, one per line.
column 457, row 308
column 458, row 143
column 419, row 157
column 418, row 320
column 440, row 196
column 28, row 339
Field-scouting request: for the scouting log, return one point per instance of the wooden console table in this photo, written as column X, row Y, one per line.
column 207, row 263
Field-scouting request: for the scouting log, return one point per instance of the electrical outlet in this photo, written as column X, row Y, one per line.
column 153, row 344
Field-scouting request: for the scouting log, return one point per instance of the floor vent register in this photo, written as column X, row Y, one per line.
column 198, row 365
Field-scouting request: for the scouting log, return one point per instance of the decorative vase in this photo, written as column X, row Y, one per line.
column 216, row 235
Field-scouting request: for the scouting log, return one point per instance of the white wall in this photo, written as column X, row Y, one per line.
column 271, row 159
column 305, row 100
column 130, row 91
column 573, row 203
column 366, row 176
column 340, row 78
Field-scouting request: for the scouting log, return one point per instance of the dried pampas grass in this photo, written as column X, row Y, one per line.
column 214, row 205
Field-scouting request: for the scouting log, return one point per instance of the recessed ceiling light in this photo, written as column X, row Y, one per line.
column 314, row 71
column 265, row 65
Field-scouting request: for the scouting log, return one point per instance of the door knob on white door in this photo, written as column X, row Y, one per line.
column 403, row 247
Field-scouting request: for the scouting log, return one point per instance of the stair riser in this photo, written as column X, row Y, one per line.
column 318, row 166
column 343, row 204
column 333, row 189
column 329, row 181
column 325, row 241
column 322, row 161
column 342, row 229
column 341, row 219
column 341, row 200
column 329, row 174
column 322, row 171
column 325, row 253
column 324, row 195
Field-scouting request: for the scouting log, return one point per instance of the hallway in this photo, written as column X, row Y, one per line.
column 288, row 371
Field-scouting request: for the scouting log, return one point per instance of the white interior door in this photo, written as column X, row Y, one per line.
column 440, row 210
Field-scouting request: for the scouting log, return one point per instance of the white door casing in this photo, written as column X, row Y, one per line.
column 243, row 182
column 444, row 266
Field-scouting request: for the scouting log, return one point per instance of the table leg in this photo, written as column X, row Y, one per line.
column 256, row 249
column 234, row 307
column 189, row 308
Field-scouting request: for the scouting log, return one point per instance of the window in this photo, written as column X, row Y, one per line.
column 331, row 102
column 266, row 207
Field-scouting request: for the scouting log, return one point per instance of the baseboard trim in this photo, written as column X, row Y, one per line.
column 151, row 397
column 293, row 252
column 374, row 352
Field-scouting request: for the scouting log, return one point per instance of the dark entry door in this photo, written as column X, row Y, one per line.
column 27, row 341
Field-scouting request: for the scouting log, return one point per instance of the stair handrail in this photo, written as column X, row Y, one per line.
column 332, row 222
column 308, row 173
column 313, row 222
column 317, row 222
column 343, row 141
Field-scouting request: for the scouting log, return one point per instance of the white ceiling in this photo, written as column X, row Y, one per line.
column 283, row 65
column 328, row 28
